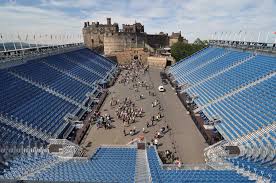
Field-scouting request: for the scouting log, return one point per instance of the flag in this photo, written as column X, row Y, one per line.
column 26, row 37
column 274, row 32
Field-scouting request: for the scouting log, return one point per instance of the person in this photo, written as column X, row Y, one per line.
column 156, row 142
column 124, row 132
column 162, row 130
column 159, row 115
column 144, row 130
column 131, row 132
column 168, row 154
column 147, row 124
column 177, row 162
column 157, row 118
column 168, row 128
column 158, row 135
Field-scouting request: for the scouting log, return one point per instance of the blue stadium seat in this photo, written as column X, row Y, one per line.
column 36, row 107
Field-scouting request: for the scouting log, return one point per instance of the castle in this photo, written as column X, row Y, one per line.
column 131, row 42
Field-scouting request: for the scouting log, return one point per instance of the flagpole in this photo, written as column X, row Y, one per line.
column 13, row 42
column 20, row 41
column 244, row 36
column 225, row 37
column 240, row 36
column 3, row 42
column 28, row 42
column 36, row 43
column 234, row 36
column 259, row 37
column 266, row 39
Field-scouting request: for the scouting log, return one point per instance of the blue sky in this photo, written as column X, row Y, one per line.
column 195, row 18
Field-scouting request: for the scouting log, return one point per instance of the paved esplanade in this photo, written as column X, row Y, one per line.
column 183, row 136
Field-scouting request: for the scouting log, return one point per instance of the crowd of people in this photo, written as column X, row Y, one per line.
column 127, row 110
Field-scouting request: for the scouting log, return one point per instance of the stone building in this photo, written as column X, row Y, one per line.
column 135, row 28
column 114, row 42
column 176, row 37
column 125, row 44
column 93, row 34
column 157, row 41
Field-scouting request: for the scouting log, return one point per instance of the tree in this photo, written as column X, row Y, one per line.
column 180, row 50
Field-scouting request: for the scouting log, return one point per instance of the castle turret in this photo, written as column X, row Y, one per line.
column 108, row 21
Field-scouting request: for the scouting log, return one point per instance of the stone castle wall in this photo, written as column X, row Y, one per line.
column 128, row 55
column 121, row 41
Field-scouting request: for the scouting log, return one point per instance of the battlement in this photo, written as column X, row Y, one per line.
column 109, row 38
column 98, row 25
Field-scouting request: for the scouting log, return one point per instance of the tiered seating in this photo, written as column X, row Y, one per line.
column 72, row 68
column 236, row 88
column 39, row 96
column 36, row 107
column 246, row 111
column 199, row 61
column 24, row 164
column 233, row 79
column 41, row 73
column 96, row 58
column 12, row 136
column 161, row 175
column 179, row 65
column 90, row 62
column 106, row 165
column 259, row 167
column 216, row 66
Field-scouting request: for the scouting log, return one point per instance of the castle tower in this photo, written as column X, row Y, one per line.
column 108, row 21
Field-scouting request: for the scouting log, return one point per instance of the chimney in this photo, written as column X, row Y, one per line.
column 85, row 24
column 108, row 21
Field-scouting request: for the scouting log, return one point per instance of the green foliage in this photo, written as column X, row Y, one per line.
column 181, row 50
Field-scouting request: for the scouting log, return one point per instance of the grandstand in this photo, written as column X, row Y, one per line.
column 229, row 91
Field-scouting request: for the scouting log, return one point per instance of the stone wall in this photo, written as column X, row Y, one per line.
column 128, row 55
column 120, row 41
column 158, row 40
column 159, row 62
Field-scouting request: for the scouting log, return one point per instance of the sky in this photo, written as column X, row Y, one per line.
column 206, row 19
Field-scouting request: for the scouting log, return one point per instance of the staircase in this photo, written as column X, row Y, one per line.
column 69, row 149
column 151, row 49
column 142, row 172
